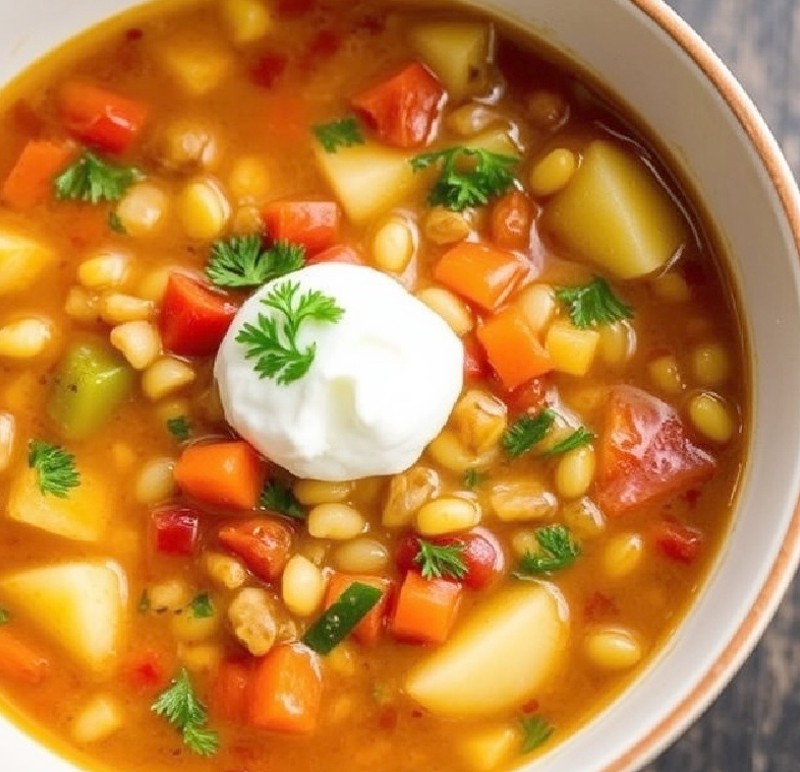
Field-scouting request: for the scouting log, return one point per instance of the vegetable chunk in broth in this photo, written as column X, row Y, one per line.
column 371, row 397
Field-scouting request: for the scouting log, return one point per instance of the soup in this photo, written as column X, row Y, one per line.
column 371, row 396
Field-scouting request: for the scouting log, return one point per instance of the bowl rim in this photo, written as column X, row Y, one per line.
column 787, row 560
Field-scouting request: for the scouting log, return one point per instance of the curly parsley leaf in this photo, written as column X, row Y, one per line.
column 440, row 561
column 93, row 180
column 181, row 707
column 468, row 176
column 180, row 428
column 343, row 133
column 272, row 340
column 279, row 498
column 527, row 431
column 593, row 304
column 535, row 732
column 557, row 550
column 242, row 261
column 202, row 607
column 580, row 437
column 54, row 467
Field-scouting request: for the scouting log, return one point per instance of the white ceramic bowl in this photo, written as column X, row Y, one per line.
column 661, row 69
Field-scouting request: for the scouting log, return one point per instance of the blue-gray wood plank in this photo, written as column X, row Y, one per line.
column 755, row 724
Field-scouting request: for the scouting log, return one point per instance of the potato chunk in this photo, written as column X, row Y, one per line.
column 80, row 605
column 615, row 213
column 22, row 260
column 497, row 659
column 458, row 52
column 82, row 515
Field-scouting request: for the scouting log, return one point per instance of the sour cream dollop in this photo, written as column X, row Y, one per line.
column 382, row 385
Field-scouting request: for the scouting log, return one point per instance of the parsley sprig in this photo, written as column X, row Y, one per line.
column 180, row 428
column 54, row 467
column 272, row 342
column 557, row 550
column 468, row 176
column 242, row 261
column 181, row 707
column 580, row 437
column 279, row 498
column 527, row 431
column 202, row 607
column 535, row 732
column 593, row 304
column 343, row 133
column 93, row 180
column 440, row 561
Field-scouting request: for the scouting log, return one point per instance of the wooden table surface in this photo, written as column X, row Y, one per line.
column 755, row 723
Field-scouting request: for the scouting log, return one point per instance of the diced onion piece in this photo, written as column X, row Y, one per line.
column 98, row 719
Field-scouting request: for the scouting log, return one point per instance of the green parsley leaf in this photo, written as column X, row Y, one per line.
column 179, row 428
column 535, row 732
column 578, row 438
column 202, row 607
column 115, row 223
column 275, row 347
column 472, row 479
column 93, row 180
column 593, row 304
column 343, row 133
column 55, row 468
column 242, row 261
column 5, row 617
column 440, row 562
column 144, row 603
column 181, row 707
column 557, row 550
column 279, row 498
column 527, row 431
column 468, row 177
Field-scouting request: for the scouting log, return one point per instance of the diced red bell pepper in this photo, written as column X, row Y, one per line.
column 193, row 319
column 476, row 365
column 677, row 541
column 145, row 671
column 262, row 544
column 341, row 253
column 101, row 118
column 268, row 68
column 314, row 224
column 528, row 398
column 402, row 109
column 644, row 453
column 176, row 529
column 230, row 692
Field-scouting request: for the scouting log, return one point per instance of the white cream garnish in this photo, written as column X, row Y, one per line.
column 383, row 382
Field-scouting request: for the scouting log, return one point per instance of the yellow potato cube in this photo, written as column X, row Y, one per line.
column 572, row 350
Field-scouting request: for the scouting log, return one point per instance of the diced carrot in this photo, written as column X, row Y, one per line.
column 230, row 699
column 403, row 108
column 341, row 253
column 193, row 319
column 101, row 118
column 262, row 544
column 368, row 630
column 476, row 365
column 644, row 453
column 223, row 474
column 286, row 693
column 19, row 661
column 314, row 224
column 482, row 274
column 30, row 181
column 513, row 349
column 426, row 609
column 512, row 217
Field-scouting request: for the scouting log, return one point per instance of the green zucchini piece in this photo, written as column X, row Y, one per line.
column 340, row 619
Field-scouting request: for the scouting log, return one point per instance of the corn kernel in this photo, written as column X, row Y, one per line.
column 203, row 209
column 116, row 308
column 139, row 343
column 25, row 338
column 143, row 209
column 712, row 417
column 106, row 270
column 166, row 376
column 553, row 173
column 393, row 245
column 665, row 373
column 247, row 20
column 711, row 364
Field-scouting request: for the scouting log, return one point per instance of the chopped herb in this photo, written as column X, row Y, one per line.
column 343, row 133
column 527, row 431
column 115, row 223
column 55, row 468
column 340, row 618
column 202, row 606
column 593, row 304
column 557, row 550
column 181, row 707
column 469, row 176
column 5, row 617
column 535, row 732
column 144, row 603
column 179, row 428
column 93, row 180
column 440, row 562
column 275, row 347
column 472, row 479
column 242, row 261
column 578, row 438
column 279, row 498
